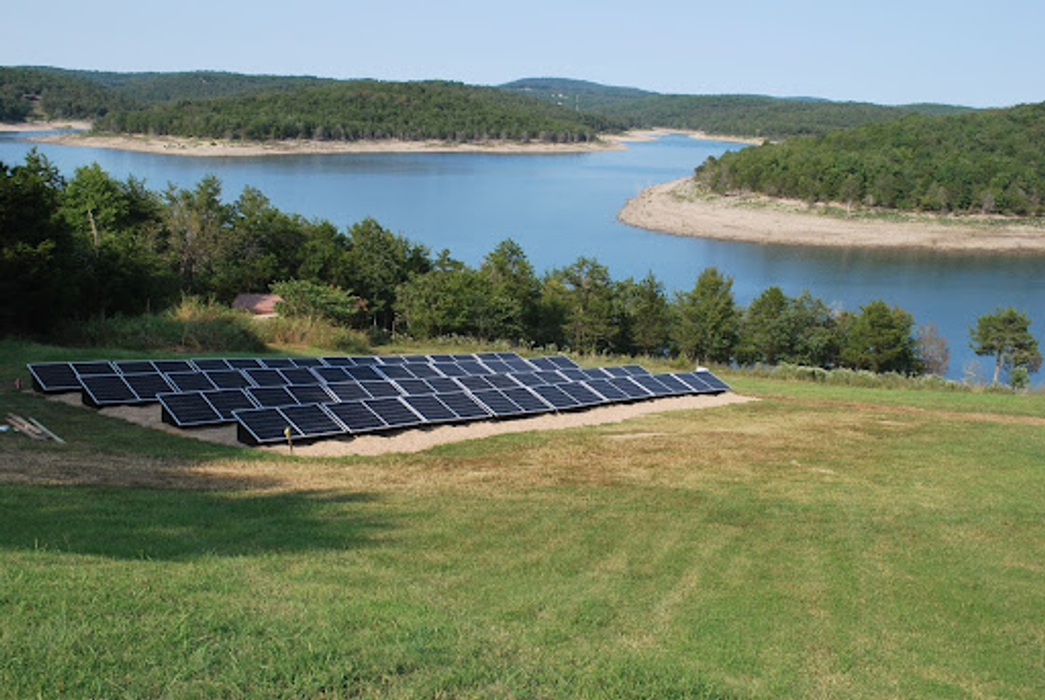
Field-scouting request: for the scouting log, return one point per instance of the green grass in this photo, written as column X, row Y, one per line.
column 824, row 542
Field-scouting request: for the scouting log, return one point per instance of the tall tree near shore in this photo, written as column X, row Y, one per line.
column 1006, row 335
column 879, row 339
column 708, row 319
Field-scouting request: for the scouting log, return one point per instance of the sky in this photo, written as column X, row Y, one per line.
column 979, row 54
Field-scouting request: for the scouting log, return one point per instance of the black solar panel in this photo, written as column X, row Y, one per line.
column 551, row 377
column 463, row 357
column 473, row 367
column 244, row 363
column 107, row 390
column 497, row 403
column 616, row 371
column 93, row 367
column 694, row 382
column 414, row 359
column 508, row 356
column 307, row 361
column 356, row 416
column 190, row 381
column 363, row 372
column 395, row 372
column 563, row 362
column 466, row 407
column 518, row 364
column 271, row 396
column 674, row 385
column 484, row 356
column 211, row 364
column 312, row 421
column 636, row 370
column 348, row 391
column 607, row 390
column 574, row 375
column 431, row 408
column 265, row 377
column 227, row 401
column 649, row 382
column 554, row 395
column 583, row 395
column 501, row 381
column 423, row 370
column 339, row 361
column 228, row 378
column 332, row 374
column 310, row 393
column 365, row 359
column 277, row 362
column 394, row 412
column 169, row 366
column 527, row 400
column 135, row 366
column 543, row 363
column 444, row 385
column 380, row 388
column 712, row 381
column 450, row 369
column 439, row 358
column 497, row 366
column 186, row 410
column 54, row 377
column 630, row 388
column 148, row 384
column 528, row 378
column 596, row 373
column 474, row 383
column 415, row 387
column 392, row 359
column 299, row 375
column 264, row 425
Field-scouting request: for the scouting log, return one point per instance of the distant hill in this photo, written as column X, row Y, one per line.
column 34, row 92
column 365, row 109
column 990, row 161
column 576, row 94
column 148, row 88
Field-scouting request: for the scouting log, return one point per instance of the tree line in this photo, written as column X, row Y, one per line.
column 92, row 245
column 989, row 162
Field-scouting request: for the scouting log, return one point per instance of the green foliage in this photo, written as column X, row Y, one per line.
column 984, row 162
column 707, row 319
column 1005, row 335
column 378, row 261
column 54, row 94
column 309, row 300
column 646, row 317
column 879, row 339
column 576, row 94
column 584, row 295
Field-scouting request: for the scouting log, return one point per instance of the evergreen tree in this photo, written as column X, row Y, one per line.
column 879, row 339
column 1006, row 335
column 708, row 320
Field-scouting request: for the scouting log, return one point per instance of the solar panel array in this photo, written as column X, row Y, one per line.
column 273, row 399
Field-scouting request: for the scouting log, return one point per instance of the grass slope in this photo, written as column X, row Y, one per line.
column 823, row 542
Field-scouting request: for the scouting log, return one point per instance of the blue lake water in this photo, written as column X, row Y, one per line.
column 559, row 207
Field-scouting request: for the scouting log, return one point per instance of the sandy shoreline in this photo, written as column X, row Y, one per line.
column 677, row 208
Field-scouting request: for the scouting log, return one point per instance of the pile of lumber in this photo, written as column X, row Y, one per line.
column 32, row 428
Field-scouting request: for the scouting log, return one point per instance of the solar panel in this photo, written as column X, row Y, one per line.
column 361, row 372
column 648, row 381
column 596, row 373
column 607, row 390
column 271, row 396
column 365, row 359
column 630, row 388
column 244, row 363
column 712, row 381
column 423, row 370
column 616, row 371
column 574, row 375
column 54, row 377
column 484, row 356
column 392, row 359
column 473, row 367
column 348, row 391
column 527, row 400
column 415, row 387
column 211, row 364
column 299, row 375
column 170, row 366
column 265, row 377
column 518, row 364
column 474, row 383
column 464, row 405
column 312, row 421
column 340, row 361
column 148, row 384
column 563, row 362
column 544, row 363
column 356, row 416
column 497, row 403
column 463, row 357
column 227, row 401
column 414, row 359
column 554, row 395
column 431, row 408
column 186, row 410
column 497, row 366
column 190, row 381
column 508, row 356
column 227, row 378
column 310, row 393
column 501, row 381
column 583, row 395
column 258, row 426
column 394, row 412
column 551, row 377
column 307, row 361
column 134, row 366
column 93, row 367
column 332, row 374
column 107, row 390
column 395, row 372
column 380, row 388
column 277, row 362
column 636, row 370
column 444, row 385
column 528, row 378
column 674, row 385
column 450, row 369
column 694, row 382
column 436, row 359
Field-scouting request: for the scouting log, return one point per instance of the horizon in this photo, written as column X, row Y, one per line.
column 956, row 53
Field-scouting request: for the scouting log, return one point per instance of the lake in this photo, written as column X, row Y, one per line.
column 559, row 207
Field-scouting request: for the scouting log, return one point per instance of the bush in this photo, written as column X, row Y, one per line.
column 300, row 331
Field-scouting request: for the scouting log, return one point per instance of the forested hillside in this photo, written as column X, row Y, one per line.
column 366, row 109
column 576, row 94
column 982, row 162
column 148, row 88
column 26, row 92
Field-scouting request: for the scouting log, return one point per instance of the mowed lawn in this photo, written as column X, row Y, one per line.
column 820, row 543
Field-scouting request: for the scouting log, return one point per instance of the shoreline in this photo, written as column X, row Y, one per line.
column 676, row 208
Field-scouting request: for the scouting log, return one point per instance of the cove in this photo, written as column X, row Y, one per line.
column 559, row 207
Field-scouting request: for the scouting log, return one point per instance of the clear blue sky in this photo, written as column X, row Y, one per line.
column 887, row 51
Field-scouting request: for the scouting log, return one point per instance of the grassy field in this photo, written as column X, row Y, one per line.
column 824, row 542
